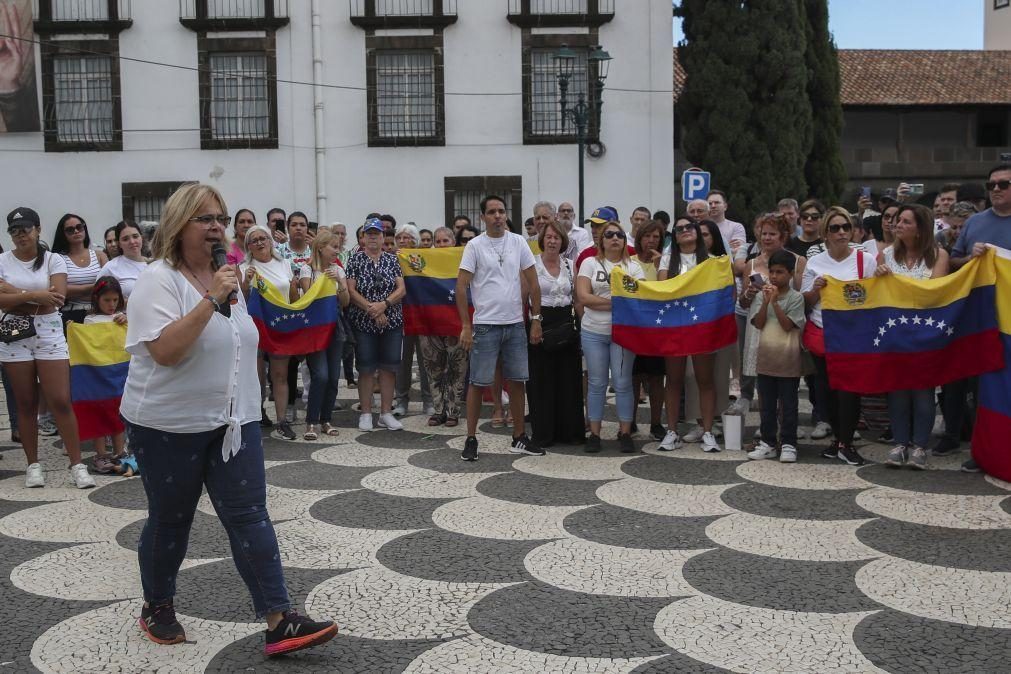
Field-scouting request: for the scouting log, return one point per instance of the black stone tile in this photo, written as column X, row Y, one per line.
column 801, row 504
column 538, row 490
column 931, row 482
column 365, row 509
column 448, row 461
column 343, row 653
column 126, row 493
column 316, row 475
column 208, row 539
column 979, row 550
column 676, row 470
column 1006, row 505
column 680, row 663
column 283, row 450
column 539, row 617
column 622, row 527
column 434, row 554
column 899, row 642
column 766, row 582
column 402, row 440
column 215, row 591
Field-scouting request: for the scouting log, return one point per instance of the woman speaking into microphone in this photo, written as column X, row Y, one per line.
column 193, row 419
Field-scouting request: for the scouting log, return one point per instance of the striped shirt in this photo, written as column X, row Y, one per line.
column 82, row 276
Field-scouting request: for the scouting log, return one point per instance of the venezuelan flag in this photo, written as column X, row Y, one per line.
column 890, row 333
column 690, row 314
column 430, row 280
column 98, row 368
column 294, row 329
column 991, row 436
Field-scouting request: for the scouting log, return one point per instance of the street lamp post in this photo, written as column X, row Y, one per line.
column 579, row 114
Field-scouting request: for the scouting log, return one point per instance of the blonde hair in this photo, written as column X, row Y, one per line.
column 318, row 261
column 600, row 240
column 184, row 204
column 832, row 212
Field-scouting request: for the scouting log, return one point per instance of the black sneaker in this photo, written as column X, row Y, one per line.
column 523, row 445
column 592, row 444
column 284, row 432
column 657, row 431
column 849, row 455
column 946, row 447
column 971, row 466
column 296, row 632
column 832, row 451
column 625, row 443
column 469, row 449
column 886, row 437
column 265, row 421
column 160, row 625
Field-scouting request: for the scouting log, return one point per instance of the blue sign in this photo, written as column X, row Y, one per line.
column 695, row 184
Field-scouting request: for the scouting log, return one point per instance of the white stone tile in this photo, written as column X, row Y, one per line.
column 364, row 456
column 810, row 540
column 660, row 498
column 955, row 511
column 282, row 503
column 308, row 543
column 802, row 475
column 485, row 517
column 423, row 483
column 997, row 482
column 574, row 466
column 58, row 485
column 69, row 522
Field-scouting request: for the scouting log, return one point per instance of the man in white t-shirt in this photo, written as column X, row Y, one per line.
column 579, row 238
column 733, row 232
column 491, row 268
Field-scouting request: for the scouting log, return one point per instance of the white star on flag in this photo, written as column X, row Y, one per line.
column 877, row 342
column 881, row 331
column 903, row 320
column 659, row 322
column 891, row 322
column 916, row 320
column 929, row 321
column 661, row 312
column 667, row 306
column 951, row 331
column 940, row 325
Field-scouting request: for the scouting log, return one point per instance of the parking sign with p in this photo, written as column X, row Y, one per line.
column 695, row 184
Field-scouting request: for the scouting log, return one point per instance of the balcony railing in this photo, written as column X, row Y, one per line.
column 554, row 13
column 233, row 14
column 371, row 14
column 81, row 16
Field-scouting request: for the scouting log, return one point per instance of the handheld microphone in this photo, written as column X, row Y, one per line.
column 220, row 260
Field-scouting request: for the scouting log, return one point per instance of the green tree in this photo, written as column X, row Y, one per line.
column 825, row 172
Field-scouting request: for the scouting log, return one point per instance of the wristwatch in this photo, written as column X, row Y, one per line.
column 537, row 317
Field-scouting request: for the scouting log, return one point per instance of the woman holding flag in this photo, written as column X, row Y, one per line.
column 915, row 254
column 324, row 365
column 266, row 264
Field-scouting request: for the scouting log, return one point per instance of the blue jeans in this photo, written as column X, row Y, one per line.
column 604, row 357
column 379, row 351
column 495, row 342
column 174, row 468
column 911, row 410
column 324, row 374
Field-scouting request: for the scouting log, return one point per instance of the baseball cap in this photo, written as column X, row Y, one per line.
column 23, row 217
column 373, row 223
column 602, row 215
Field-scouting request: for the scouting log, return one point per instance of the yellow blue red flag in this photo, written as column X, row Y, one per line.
column 690, row 314
column 991, row 437
column 98, row 367
column 294, row 328
column 430, row 280
column 891, row 333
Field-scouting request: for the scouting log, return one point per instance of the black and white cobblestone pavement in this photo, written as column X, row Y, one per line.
column 681, row 562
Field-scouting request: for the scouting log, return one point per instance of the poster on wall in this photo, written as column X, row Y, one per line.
column 19, row 104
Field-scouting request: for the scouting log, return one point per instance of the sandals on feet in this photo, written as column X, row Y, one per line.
column 327, row 429
column 437, row 419
column 452, row 421
column 104, row 465
column 498, row 422
column 310, row 433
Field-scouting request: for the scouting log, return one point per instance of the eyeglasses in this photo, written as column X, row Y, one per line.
column 614, row 234
column 809, row 216
column 73, row 229
column 992, row 185
column 840, row 228
column 681, row 229
column 261, row 241
column 208, row 220
column 566, row 210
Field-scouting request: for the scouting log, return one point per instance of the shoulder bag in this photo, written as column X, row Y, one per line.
column 564, row 334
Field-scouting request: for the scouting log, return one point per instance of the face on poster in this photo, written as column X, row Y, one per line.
column 19, row 108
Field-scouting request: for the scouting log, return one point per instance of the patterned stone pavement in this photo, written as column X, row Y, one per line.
column 683, row 562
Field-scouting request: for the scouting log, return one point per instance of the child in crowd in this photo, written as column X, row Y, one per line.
column 780, row 317
column 108, row 306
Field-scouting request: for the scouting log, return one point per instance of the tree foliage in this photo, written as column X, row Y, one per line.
column 825, row 172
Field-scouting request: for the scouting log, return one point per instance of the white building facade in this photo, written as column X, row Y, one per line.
column 997, row 24
column 411, row 107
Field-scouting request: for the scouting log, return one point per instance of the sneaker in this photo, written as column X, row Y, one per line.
column 592, row 444
column 848, row 454
column 821, row 430
column 971, row 466
column 694, row 435
column 832, row 451
column 47, row 426
column 670, row 442
column 80, row 477
column 762, row 451
column 365, row 422
column 389, row 422
column 788, row 454
column 34, row 477
column 625, row 443
column 523, row 445
column 918, row 458
column 399, row 411
column 283, row 431
column 657, row 431
column 946, row 447
column 265, row 421
column 296, row 632
column 886, row 437
column 429, row 410
column 897, row 457
column 469, row 449
column 857, row 436
column 290, row 414
column 160, row 625
column 709, row 443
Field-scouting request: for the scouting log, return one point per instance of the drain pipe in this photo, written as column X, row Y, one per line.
column 319, row 128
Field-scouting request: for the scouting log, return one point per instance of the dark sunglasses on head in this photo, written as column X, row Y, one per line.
column 991, row 185
column 614, row 234
column 73, row 229
column 809, row 216
column 847, row 227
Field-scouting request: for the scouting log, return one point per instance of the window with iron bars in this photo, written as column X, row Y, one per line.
column 545, row 98
column 468, row 202
column 234, row 9
column 79, row 10
column 405, row 94
column 148, row 209
column 240, row 105
column 533, row 13
column 83, row 100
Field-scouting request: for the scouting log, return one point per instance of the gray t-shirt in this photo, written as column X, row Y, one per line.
column 985, row 227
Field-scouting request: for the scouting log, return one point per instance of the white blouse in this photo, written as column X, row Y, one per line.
column 124, row 270
column 920, row 271
column 215, row 385
column 556, row 291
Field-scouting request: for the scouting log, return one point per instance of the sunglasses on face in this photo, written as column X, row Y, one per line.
column 20, row 229
column 993, row 185
column 809, row 216
column 847, row 227
column 73, row 229
column 681, row 229
column 614, row 234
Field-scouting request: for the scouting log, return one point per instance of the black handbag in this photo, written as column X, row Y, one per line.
column 15, row 327
column 564, row 334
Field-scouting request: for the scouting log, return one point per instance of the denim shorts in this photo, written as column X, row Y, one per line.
column 380, row 351
column 493, row 341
